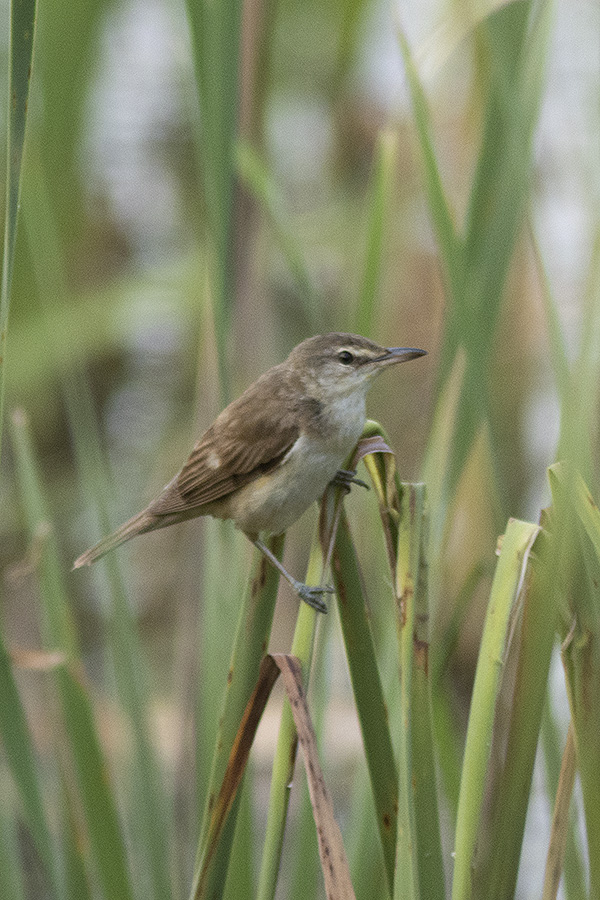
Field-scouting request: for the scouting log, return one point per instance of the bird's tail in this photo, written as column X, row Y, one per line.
column 139, row 524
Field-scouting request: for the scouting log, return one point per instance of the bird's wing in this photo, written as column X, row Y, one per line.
column 235, row 449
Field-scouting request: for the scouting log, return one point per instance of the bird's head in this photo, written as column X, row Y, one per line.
column 339, row 364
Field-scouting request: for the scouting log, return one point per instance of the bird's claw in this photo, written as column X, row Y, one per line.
column 346, row 477
column 312, row 595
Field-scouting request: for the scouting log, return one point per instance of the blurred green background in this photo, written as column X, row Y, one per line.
column 151, row 285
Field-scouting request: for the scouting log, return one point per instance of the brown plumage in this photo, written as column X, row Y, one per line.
column 272, row 452
column 247, row 440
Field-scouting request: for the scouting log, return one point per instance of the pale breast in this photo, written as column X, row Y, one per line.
column 274, row 501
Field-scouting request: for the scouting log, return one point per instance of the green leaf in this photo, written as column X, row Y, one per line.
column 11, row 881
column 441, row 216
column 251, row 641
column 259, row 181
column 577, row 521
column 419, row 865
column 368, row 692
column 284, row 761
column 97, row 797
column 497, row 632
column 558, row 764
column 422, row 783
column 381, row 193
column 512, row 788
column 123, row 640
column 20, row 54
column 18, row 747
column 216, row 38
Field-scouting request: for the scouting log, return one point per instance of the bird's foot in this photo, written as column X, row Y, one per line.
column 346, row 477
column 312, row 595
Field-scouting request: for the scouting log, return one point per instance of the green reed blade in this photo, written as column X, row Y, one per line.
column 20, row 56
column 96, row 792
column 250, row 644
column 20, row 755
column 386, row 155
column 505, row 591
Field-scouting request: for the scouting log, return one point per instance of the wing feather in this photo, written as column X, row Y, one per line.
column 248, row 439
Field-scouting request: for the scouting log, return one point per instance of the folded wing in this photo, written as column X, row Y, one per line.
column 236, row 449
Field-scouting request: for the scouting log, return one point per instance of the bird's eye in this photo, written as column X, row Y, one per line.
column 345, row 357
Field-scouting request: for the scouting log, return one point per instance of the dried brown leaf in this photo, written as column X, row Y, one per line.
column 334, row 862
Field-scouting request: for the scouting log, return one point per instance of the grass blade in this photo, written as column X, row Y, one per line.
column 513, row 787
column 11, row 882
column 305, row 872
column 97, row 798
column 18, row 747
column 406, row 881
column 222, row 546
column 351, row 13
column 381, row 192
column 581, row 646
column 441, row 216
column 419, row 776
column 556, row 340
column 367, row 863
column 259, row 182
column 368, row 692
column 506, row 586
column 560, row 821
column 579, row 408
column 516, row 42
column 20, row 55
column 234, row 771
column 514, row 37
column 77, row 878
column 123, row 640
column 252, row 637
column 241, row 881
column 216, row 36
column 285, row 753
column 336, row 873
column 573, row 869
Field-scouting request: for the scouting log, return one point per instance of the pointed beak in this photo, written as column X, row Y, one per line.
column 400, row 354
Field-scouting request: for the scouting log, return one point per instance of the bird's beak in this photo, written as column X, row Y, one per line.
column 400, row 354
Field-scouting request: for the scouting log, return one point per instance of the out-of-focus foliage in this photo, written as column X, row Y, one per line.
column 199, row 194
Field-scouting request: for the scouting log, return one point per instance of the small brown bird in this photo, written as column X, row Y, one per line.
column 272, row 452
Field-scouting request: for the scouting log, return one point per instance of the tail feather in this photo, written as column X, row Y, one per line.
column 139, row 524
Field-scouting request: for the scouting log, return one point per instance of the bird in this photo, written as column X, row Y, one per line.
column 273, row 451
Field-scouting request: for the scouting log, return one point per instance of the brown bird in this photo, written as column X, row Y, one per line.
column 272, row 452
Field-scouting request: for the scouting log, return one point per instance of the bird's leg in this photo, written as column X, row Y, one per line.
column 346, row 477
column 310, row 595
